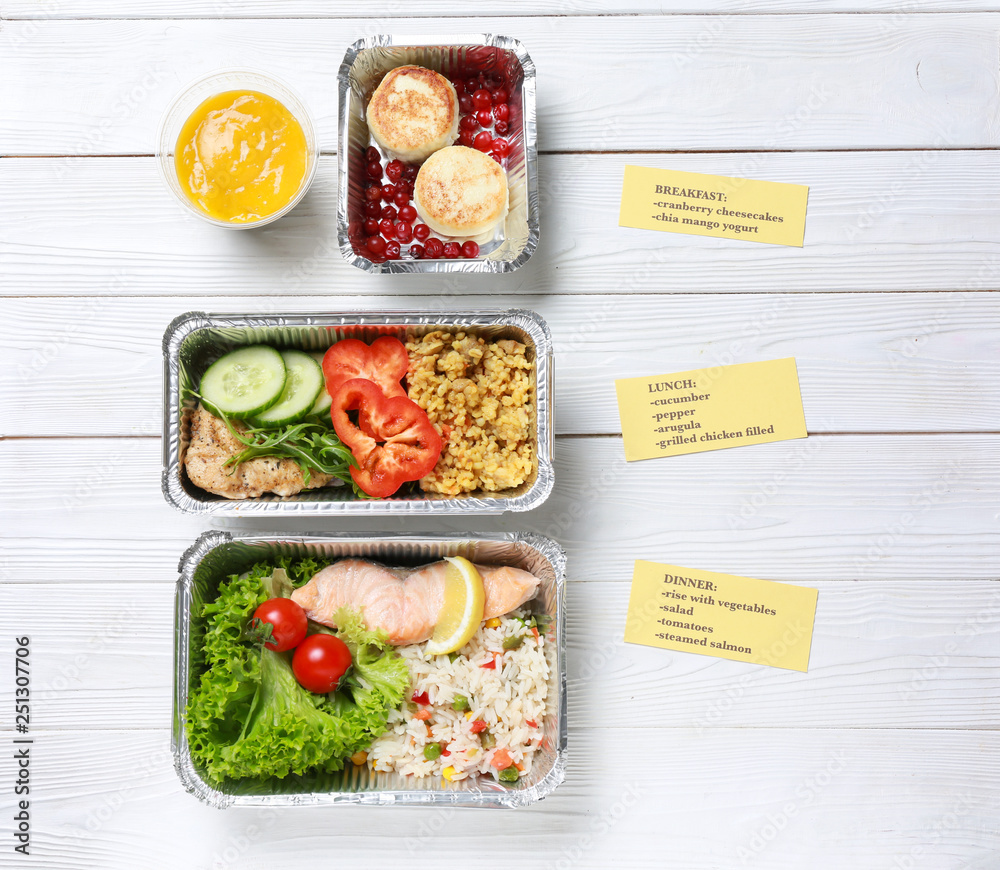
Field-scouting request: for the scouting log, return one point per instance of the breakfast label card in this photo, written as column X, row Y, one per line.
column 714, row 205
column 708, row 409
column 739, row 618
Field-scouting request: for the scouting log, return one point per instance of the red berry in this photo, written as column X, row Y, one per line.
column 501, row 111
column 493, row 81
column 470, row 250
column 434, row 248
column 374, row 170
column 496, row 157
column 372, row 209
column 465, row 104
column 404, row 232
column 452, row 250
column 372, row 154
column 387, row 228
column 468, row 122
column 471, row 86
column 482, row 142
column 501, row 128
column 481, row 99
column 500, row 147
column 392, row 250
column 377, row 258
column 394, row 170
column 402, row 197
column 387, row 191
column 466, row 138
column 417, row 252
column 388, row 213
column 371, row 227
column 484, row 117
column 410, row 171
column 373, row 193
column 376, row 244
column 421, row 232
column 501, row 95
column 408, row 214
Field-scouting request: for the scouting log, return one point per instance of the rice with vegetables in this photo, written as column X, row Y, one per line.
column 480, row 396
column 464, row 718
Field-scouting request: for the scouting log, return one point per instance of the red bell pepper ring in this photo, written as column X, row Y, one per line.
column 395, row 442
column 385, row 363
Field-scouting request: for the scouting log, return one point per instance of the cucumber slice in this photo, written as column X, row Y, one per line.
column 303, row 385
column 244, row 382
column 323, row 401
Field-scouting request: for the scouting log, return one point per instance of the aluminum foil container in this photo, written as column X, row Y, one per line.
column 216, row 555
column 194, row 340
column 365, row 64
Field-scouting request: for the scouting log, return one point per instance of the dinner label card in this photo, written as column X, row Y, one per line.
column 714, row 205
column 707, row 409
column 739, row 618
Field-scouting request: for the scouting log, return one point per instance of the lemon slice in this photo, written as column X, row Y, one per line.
column 462, row 611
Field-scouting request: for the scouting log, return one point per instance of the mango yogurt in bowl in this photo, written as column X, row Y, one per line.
column 237, row 149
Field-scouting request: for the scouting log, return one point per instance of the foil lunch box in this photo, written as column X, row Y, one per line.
column 217, row 554
column 194, row 340
column 365, row 64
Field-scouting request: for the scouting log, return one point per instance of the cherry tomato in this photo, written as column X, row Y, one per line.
column 287, row 620
column 320, row 661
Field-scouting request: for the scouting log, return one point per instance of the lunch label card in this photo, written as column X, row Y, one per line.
column 739, row 618
column 708, row 409
column 714, row 205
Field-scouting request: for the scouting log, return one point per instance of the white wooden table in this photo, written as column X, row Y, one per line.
column 884, row 755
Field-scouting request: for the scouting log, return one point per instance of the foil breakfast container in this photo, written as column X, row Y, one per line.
column 365, row 64
column 195, row 340
column 217, row 554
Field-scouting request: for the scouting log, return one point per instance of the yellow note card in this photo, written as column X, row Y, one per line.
column 739, row 618
column 708, row 409
column 714, row 205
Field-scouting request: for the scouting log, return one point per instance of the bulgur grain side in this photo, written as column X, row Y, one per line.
column 480, row 395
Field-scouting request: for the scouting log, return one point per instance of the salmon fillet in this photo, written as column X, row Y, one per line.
column 405, row 603
column 210, row 447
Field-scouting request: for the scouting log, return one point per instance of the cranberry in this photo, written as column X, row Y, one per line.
column 501, row 95
column 410, row 172
column 465, row 104
column 402, row 197
column 376, row 244
column 481, row 99
column 408, row 214
column 388, row 213
column 501, row 111
column 392, row 250
column 484, row 117
column 452, row 250
column 421, row 232
column 374, row 170
column 377, row 258
column 387, row 228
column 501, row 128
column 372, row 154
column 471, row 86
column 496, row 157
column 373, row 193
column 434, row 248
column 494, row 81
column 372, row 209
column 470, row 250
column 404, row 231
column 482, row 142
column 387, row 191
column 466, row 138
column 394, row 171
column 371, row 227
column 500, row 147
column 417, row 252
column 468, row 122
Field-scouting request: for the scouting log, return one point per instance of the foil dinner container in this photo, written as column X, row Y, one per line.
column 195, row 340
column 216, row 555
column 365, row 64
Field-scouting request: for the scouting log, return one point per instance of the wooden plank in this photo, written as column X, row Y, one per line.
column 683, row 82
column 864, row 799
column 866, row 362
column 825, row 508
column 876, row 221
column 885, row 654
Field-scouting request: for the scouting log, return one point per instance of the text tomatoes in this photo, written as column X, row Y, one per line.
column 320, row 661
column 286, row 619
